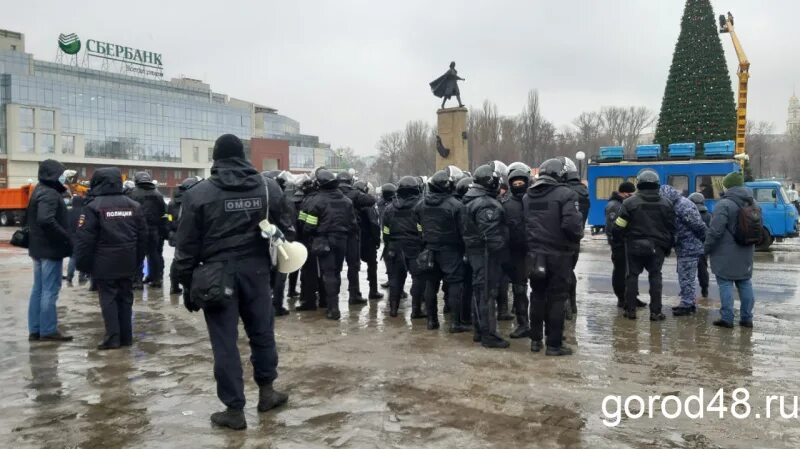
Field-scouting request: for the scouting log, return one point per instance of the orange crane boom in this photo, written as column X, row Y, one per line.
column 726, row 26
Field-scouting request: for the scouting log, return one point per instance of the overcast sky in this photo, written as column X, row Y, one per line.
column 352, row 70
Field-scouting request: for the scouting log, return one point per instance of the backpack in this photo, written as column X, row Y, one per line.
column 749, row 225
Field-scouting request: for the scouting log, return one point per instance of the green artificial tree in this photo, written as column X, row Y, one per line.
column 698, row 103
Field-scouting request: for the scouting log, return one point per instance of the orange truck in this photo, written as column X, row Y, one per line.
column 13, row 203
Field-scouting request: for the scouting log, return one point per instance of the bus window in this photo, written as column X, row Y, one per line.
column 680, row 183
column 709, row 185
column 765, row 196
column 603, row 187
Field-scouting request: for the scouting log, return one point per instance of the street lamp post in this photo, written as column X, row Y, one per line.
column 580, row 156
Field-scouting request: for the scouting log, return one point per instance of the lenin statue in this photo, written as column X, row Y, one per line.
column 446, row 85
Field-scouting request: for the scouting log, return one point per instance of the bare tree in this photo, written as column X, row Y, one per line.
column 390, row 149
column 530, row 129
column 614, row 123
column 636, row 120
column 418, row 155
column 483, row 133
column 589, row 129
column 758, row 147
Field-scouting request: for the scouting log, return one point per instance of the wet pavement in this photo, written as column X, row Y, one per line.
column 369, row 381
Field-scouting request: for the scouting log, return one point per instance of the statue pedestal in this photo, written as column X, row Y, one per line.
column 452, row 130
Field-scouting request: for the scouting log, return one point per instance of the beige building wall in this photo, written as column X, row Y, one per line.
column 205, row 148
column 12, row 41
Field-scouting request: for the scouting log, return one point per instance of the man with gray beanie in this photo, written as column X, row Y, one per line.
column 224, row 265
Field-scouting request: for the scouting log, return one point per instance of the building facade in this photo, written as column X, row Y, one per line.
column 90, row 118
column 793, row 117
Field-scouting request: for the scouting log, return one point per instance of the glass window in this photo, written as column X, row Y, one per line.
column 46, row 119
column 604, row 187
column 177, row 175
column 709, row 185
column 196, row 154
column 27, row 143
column 210, row 154
column 765, row 195
column 680, row 182
column 48, row 143
column 68, row 144
column 26, row 117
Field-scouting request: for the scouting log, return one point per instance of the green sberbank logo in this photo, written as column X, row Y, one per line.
column 69, row 43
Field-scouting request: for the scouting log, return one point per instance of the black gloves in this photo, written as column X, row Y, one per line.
column 190, row 305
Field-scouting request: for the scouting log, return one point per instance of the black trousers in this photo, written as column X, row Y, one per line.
column 549, row 296
column 402, row 261
column 619, row 266
column 466, row 294
column 154, row 253
column 573, row 285
column 486, row 274
column 516, row 271
column 702, row 273
column 116, row 305
column 330, row 266
column 293, row 277
column 311, row 282
column 637, row 264
column 369, row 255
column 277, row 282
column 253, row 304
column 353, row 259
column 448, row 266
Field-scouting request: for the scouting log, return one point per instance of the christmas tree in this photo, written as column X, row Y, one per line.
column 698, row 101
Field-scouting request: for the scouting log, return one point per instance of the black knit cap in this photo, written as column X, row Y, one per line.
column 626, row 187
column 228, row 146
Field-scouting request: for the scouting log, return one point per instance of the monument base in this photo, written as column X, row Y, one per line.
column 452, row 130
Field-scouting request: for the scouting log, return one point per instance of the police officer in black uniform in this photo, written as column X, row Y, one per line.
column 485, row 237
column 402, row 235
column 553, row 225
column 574, row 183
column 462, row 186
column 110, row 244
column 329, row 220
column 440, row 216
column 646, row 223
column 370, row 239
column 173, row 218
column 311, row 285
column 518, row 180
column 301, row 183
column 618, row 260
column 282, row 216
column 155, row 210
column 388, row 194
column 222, row 254
column 360, row 202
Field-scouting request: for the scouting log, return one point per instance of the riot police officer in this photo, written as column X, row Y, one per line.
column 329, row 219
column 388, row 194
column 440, row 216
column 554, row 228
column 110, row 244
column 574, row 183
column 485, row 237
column 370, row 240
column 283, row 217
column 403, row 239
column 518, row 181
column 224, row 266
column 462, row 186
column 360, row 202
column 300, row 185
column 646, row 223
column 173, row 218
column 155, row 210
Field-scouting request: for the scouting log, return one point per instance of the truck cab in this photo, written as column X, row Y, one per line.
column 779, row 213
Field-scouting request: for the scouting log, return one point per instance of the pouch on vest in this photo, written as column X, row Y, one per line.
column 641, row 248
column 213, row 285
column 320, row 246
column 537, row 266
column 425, row 260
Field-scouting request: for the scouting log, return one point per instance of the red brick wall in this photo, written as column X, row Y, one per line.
column 261, row 149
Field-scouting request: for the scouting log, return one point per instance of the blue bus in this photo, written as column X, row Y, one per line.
column 687, row 176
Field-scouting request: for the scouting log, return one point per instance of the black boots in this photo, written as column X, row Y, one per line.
column 416, row 308
column 457, row 325
column 268, row 398
column 523, row 328
column 502, row 308
column 356, row 299
column 433, row 322
column 394, row 305
column 563, row 350
column 536, row 345
column 494, row 342
column 175, row 288
column 375, row 294
column 230, row 418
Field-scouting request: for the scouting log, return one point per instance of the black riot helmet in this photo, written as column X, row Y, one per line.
column 441, row 182
column 555, row 169
column 518, row 166
column 304, row 183
column 388, row 191
column 456, row 173
column 462, row 186
column 408, row 186
column 285, row 178
column 345, row 177
column 647, row 179
column 188, row 183
column 326, row 180
column 487, row 177
column 361, row 186
column 500, row 168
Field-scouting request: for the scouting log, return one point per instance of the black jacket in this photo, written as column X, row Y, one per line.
column 370, row 226
column 583, row 198
column 327, row 212
column 220, row 218
column 439, row 214
column 360, row 199
column 47, row 215
column 74, row 215
column 612, row 212
column 553, row 222
column 112, row 235
column 646, row 216
column 484, row 221
column 282, row 211
column 515, row 221
column 153, row 205
column 400, row 225
column 174, row 216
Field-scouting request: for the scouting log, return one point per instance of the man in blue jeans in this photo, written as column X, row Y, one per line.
column 49, row 245
column 731, row 262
